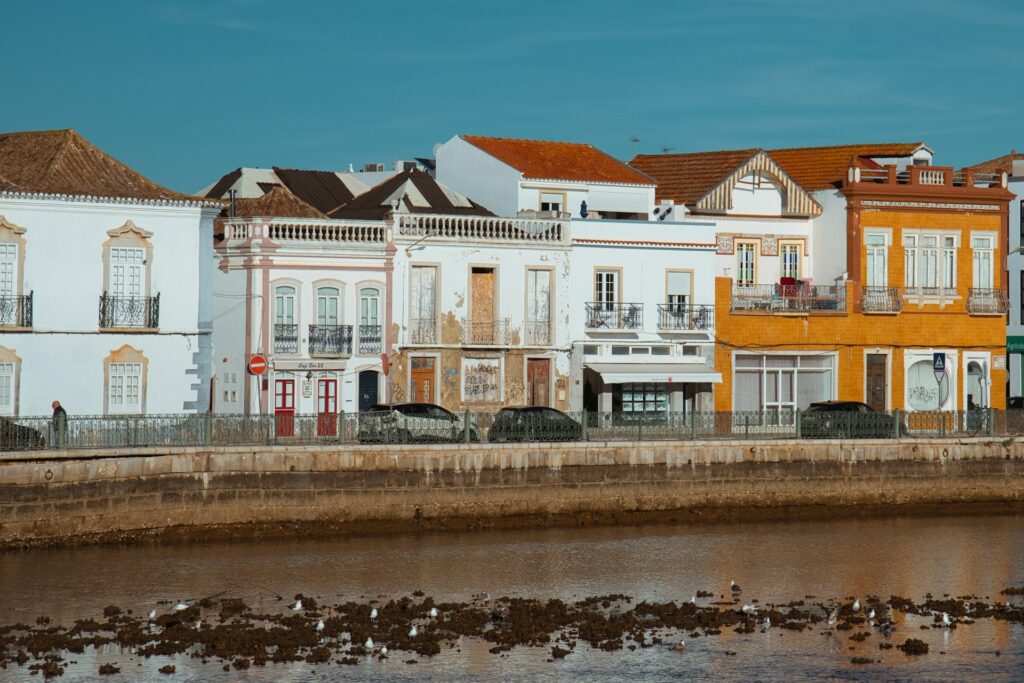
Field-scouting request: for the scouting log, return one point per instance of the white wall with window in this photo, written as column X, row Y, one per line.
column 8, row 388
column 124, row 381
column 782, row 383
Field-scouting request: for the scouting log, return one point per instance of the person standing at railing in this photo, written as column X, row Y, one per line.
column 59, row 423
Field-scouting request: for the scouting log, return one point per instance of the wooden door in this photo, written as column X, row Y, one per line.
column 538, row 381
column 422, row 376
column 284, row 406
column 875, row 380
column 327, row 407
column 482, row 306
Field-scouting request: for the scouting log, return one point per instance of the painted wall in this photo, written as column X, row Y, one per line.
column 468, row 170
column 630, row 199
column 768, row 233
column 1015, row 268
column 829, row 233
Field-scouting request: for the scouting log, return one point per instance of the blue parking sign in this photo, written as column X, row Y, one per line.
column 939, row 362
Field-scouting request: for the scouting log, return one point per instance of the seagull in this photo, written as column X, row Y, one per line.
column 735, row 587
column 152, row 614
column 871, row 615
column 320, row 626
column 413, row 632
column 368, row 644
column 749, row 609
column 946, row 621
column 383, row 650
column 767, row 624
column 199, row 625
column 832, row 616
column 433, row 613
column 373, row 613
column 180, row 607
column 678, row 647
column 693, row 600
column 297, row 606
column 856, row 604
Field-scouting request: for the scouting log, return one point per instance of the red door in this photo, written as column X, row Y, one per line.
column 327, row 407
column 538, row 376
column 284, row 406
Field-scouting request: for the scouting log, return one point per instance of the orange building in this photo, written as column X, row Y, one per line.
column 925, row 284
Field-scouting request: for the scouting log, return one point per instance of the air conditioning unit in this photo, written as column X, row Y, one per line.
column 372, row 168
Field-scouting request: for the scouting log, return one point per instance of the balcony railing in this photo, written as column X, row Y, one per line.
column 463, row 228
column 319, row 230
column 796, row 298
column 486, row 332
column 614, row 316
column 370, row 340
column 286, row 338
column 142, row 312
column 423, row 331
column 330, row 340
column 987, row 302
column 16, row 311
column 881, row 300
column 538, row 332
column 926, row 175
column 685, row 317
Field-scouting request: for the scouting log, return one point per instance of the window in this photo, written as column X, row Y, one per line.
column 10, row 310
column 422, row 305
column 6, row 388
column 930, row 262
column 678, row 285
column 606, row 288
column 949, row 263
column 284, row 305
column 327, row 306
column 790, row 255
column 924, row 392
column 643, row 399
column 126, row 272
column 878, row 260
column 551, row 201
column 779, row 385
column 369, row 306
column 982, row 250
column 538, row 305
column 746, row 269
column 125, row 385
column 591, row 349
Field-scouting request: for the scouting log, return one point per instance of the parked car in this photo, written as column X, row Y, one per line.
column 413, row 423
column 847, row 419
column 16, row 437
column 532, row 423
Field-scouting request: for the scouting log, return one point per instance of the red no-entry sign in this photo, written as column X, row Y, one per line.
column 257, row 364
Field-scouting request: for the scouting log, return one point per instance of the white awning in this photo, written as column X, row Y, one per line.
column 622, row 373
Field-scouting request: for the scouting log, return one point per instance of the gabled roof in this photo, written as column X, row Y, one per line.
column 279, row 202
column 821, row 168
column 411, row 191
column 686, row 178
column 544, row 160
column 323, row 190
column 1003, row 164
column 62, row 162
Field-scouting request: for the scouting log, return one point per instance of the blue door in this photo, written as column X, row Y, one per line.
column 368, row 385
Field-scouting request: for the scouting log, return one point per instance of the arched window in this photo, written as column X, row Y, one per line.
column 284, row 305
column 369, row 320
column 327, row 306
column 924, row 392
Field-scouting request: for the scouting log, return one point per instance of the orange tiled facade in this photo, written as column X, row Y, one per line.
column 897, row 318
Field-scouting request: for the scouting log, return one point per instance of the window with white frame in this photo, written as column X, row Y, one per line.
column 284, row 305
column 929, row 261
column 878, row 260
column 9, row 312
column 7, row 384
column 124, row 381
column 781, row 384
column 790, row 255
column 327, row 306
column 606, row 288
column 746, row 263
column 369, row 307
column 982, row 248
column 538, row 306
column 127, row 276
column 678, row 283
column 949, row 263
column 551, row 201
column 423, row 304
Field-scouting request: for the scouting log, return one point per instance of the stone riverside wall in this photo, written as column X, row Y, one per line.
column 200, row 493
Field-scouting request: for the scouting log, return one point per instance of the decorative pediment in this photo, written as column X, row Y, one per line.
column 11, row 228
column 129, row 228
column 795, row 200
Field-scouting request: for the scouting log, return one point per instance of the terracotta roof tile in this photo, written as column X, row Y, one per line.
column 1003, row 164
column 819, row 168
column 279, row 202
column 64, row 162
column 686, row 178
column 541, row 159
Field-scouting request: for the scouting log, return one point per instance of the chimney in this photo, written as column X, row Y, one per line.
column 233, row 211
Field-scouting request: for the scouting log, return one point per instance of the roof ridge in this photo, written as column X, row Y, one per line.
column 710, row 151
column 547, row 142
column 851, row 144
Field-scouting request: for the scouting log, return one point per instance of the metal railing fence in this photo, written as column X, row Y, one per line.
column 439, row 426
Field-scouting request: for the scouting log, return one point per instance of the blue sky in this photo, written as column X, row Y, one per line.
column 186, row 91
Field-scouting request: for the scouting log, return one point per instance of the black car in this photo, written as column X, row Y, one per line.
column 16, row 437
column 847, row 420
column 532, row 423
column 1015, row 403
column 413, row 423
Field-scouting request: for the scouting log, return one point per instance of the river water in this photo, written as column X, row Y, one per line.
column 772, row 561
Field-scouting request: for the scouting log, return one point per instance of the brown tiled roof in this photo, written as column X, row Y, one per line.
column 374, row 205
column 819, row 168
column 278, row 202
column 688, row 177
column 226, row 181
column 559, row 160
column 1003, row 164
column 63, row 162
column 321, row 189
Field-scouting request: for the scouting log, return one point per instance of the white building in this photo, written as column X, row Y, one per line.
column 104, row 284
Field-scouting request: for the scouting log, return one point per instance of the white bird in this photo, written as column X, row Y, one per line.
column 180, row 607
column 735, row 587
column 433, row 613
column 373, row 613
column 152, row 614
column 320, row 626
column 679, row 647
column 413, row 632
column 871, row 615
column 693, row 600
column 199, row 625
column 383, row 650
column 856, row 605
column 368, row 644
column 946, row 621
column 297, row 606
column 767, row 624
column 832, row 616
column 749, row 609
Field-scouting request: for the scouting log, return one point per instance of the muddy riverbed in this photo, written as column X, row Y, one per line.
column 923, row 598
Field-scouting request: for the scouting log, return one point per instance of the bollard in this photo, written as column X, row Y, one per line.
column 583, row 426
column 465, row 426
column 896, row 424
column 799, row 424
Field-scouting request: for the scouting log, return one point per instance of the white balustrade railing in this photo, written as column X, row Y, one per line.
column 485, row 228
column 933, row 177
column 312, row 230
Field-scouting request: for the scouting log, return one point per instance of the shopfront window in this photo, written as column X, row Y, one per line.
column 781, row 384
column 642, row 399
column 924, row 391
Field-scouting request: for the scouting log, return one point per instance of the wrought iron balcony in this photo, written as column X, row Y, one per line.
column 538, row 332
column 141, row 312
column 987, row 302
column 614, row 316
column 370, row 340
column 423, row 331
column 678, row 317
column 881, row 300
column 486, row 332
column 16, row 311
column 286, row 338
column 795, row 298
column 330, row 340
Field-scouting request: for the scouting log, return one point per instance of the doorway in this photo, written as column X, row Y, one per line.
column 327, row 406
column 422, row 379
column 482, row 327
column 875, row 386
column 538, row 381
column 284, row 406
column 368, row 389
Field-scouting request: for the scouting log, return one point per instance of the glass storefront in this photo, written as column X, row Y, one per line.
column 781, row 384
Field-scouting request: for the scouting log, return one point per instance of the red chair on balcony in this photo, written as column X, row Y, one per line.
column 787, row 291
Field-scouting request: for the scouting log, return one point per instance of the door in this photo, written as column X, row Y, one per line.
column 875, row 381
column 422, row 380
column 368, row 387
column 482, row 330
column 126, row 286
column 538, row 386
column 284, row 406
column 9, row 308
column 327, row 406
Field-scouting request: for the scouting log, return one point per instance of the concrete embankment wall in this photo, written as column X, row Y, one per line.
column 200, row 493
